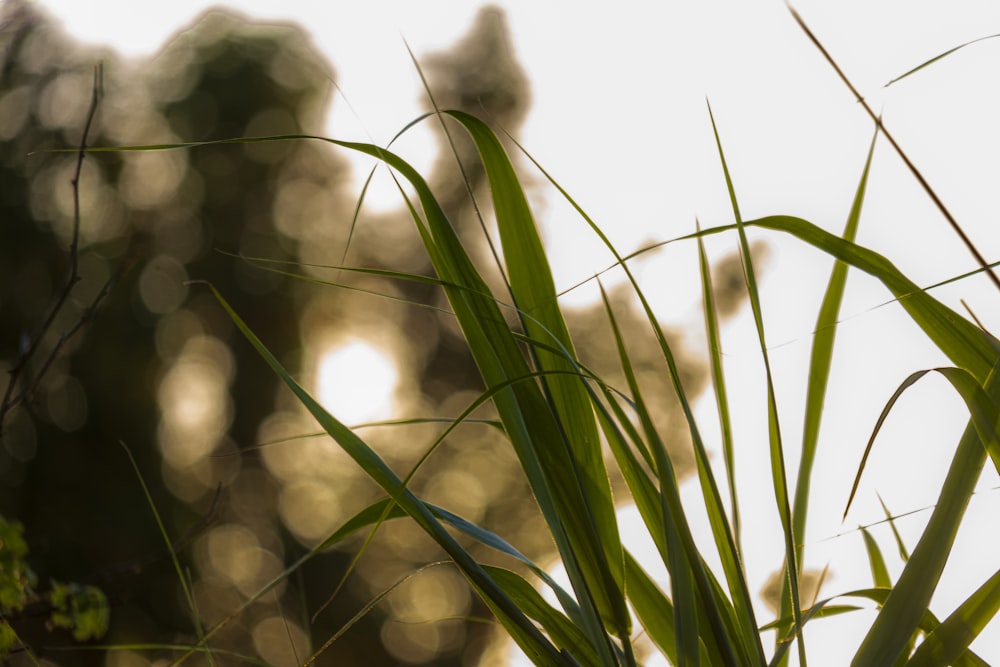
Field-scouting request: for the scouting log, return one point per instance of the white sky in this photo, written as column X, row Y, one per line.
column 619, row 118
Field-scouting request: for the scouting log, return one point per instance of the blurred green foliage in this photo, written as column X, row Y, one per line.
column 80, row 609
column 83, row 610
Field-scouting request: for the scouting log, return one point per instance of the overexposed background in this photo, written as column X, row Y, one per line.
column 619, row 118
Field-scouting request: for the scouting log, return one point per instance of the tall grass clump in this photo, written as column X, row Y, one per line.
column 560, row 419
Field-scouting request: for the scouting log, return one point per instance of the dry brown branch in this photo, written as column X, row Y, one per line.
column 13, row 397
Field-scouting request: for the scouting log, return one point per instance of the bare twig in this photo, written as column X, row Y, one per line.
column 18, row 374
column 899, row 151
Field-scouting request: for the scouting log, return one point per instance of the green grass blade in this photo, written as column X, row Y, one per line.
column 965, row 344
column 654, row 609
column 939, row 57
column 387, row 510
column 901, row 614
column 821, row 360
column 893, row 628
column 721, row 395
column 655, row 612
column 695, row 593
column 951, row 639
column 750, row 641
column 534, row 294
column 682, row 578
column 909, row 381
column 904, row 553
column 984, row 413
column 778, row 469
column 880, row 573
column 727, row 542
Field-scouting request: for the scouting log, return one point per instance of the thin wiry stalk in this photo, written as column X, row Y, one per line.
column 12, row 398
column 899, row 151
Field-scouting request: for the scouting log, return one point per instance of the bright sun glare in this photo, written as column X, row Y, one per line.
column 356, row 382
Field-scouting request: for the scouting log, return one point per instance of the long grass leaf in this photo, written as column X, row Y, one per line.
column 821, row 360
column 534, row 294
column 682, row 578
column 965, row 344
column 721, row 395
column 778, row 470
column 753, row 650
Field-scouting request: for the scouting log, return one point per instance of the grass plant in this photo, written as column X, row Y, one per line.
column 560, row 417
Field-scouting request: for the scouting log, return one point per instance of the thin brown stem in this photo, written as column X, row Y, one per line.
column 12, row 398
column 899, row 151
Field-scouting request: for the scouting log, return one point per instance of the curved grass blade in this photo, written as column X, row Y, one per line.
column 892, row 630
column 652, row 247
column 721, row 395
column 965, row 344
column 909, row 599
column 533, row 643
column 386, row 510
column 938, row 57
column 983, row 411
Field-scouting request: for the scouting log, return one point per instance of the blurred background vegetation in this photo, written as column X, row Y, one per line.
column 161, row 369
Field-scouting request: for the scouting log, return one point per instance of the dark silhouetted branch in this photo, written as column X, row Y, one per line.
column 13, row 397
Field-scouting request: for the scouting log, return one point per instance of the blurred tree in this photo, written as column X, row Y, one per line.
column 162, row 369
